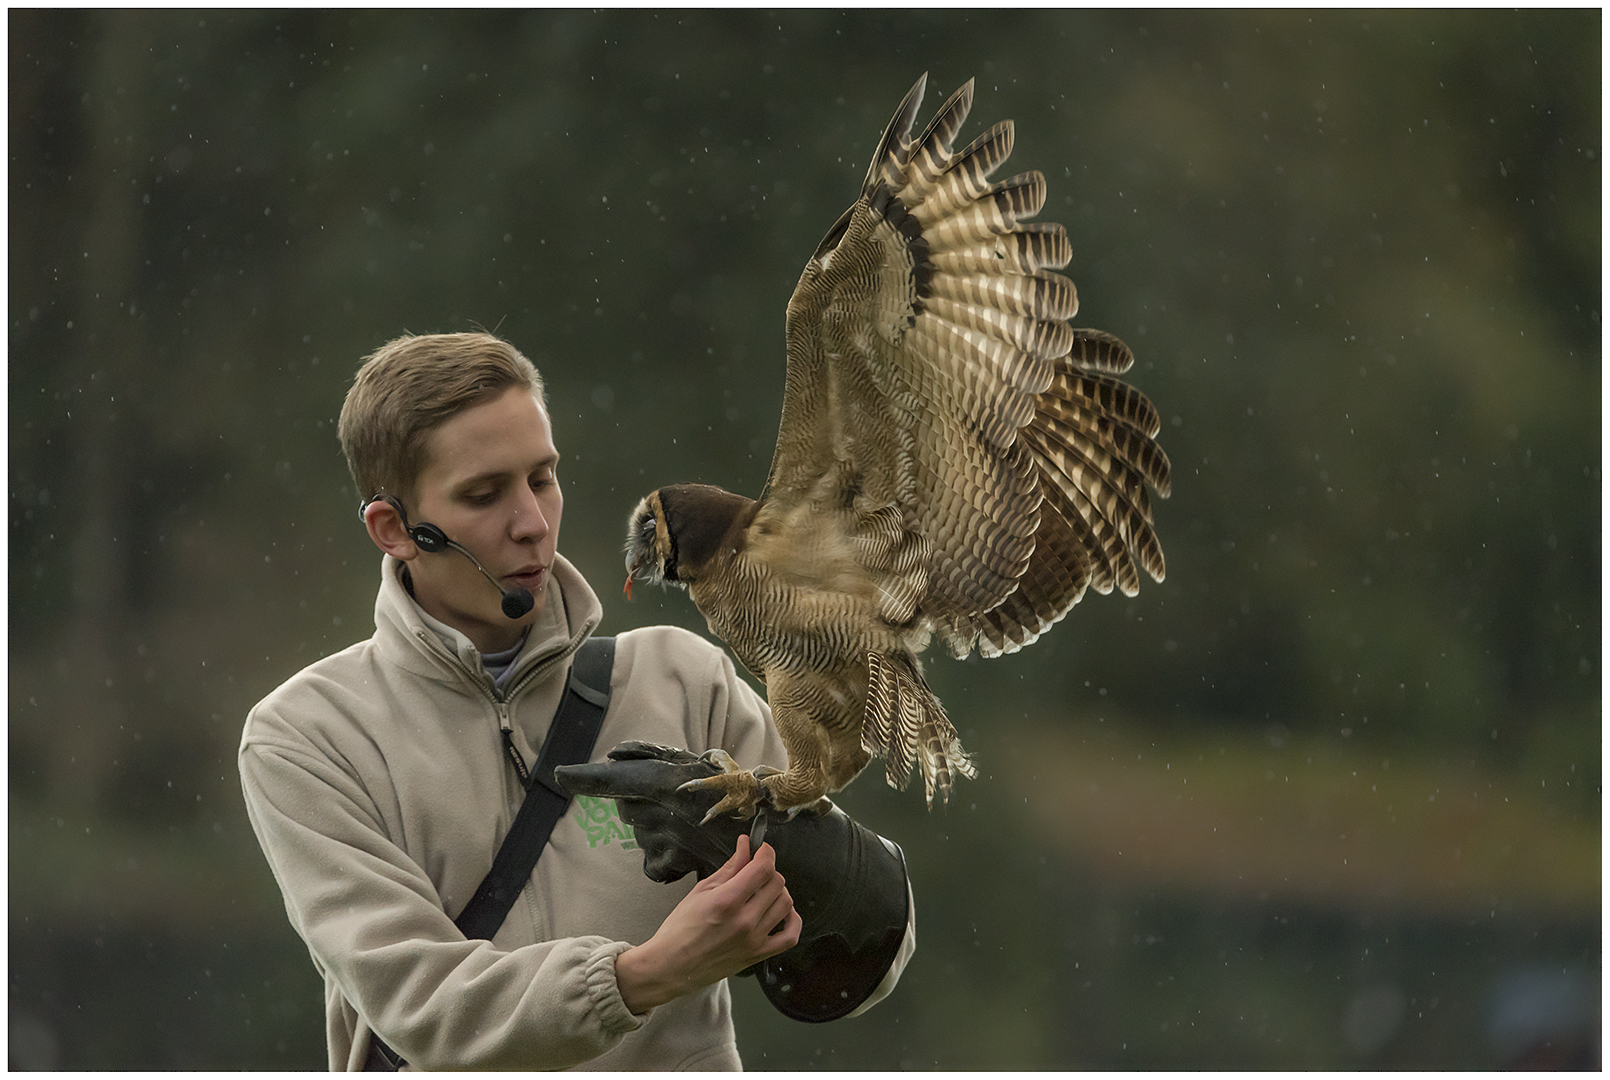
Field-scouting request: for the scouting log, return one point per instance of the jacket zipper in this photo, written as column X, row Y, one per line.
column 505, row 725
column 500, row 705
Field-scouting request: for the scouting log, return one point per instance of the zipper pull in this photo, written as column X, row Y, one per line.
column 505, row 728
column 514, row 755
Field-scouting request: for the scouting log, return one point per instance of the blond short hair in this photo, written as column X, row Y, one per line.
column 410, row 386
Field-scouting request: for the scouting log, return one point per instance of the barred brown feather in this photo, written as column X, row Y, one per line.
column 954, row 459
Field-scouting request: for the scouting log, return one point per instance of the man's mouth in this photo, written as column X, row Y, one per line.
column 529, row 577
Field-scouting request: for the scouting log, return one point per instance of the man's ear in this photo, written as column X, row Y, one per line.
column 386, row 529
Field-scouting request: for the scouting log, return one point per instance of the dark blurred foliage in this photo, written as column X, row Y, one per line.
column 1327, row 798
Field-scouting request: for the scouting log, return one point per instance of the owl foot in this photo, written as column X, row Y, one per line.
column 819, row 806
column 742, row 794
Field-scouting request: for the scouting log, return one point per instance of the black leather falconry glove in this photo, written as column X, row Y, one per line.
column 848, row 883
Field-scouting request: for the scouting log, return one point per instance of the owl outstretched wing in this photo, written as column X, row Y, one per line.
column 975, row 452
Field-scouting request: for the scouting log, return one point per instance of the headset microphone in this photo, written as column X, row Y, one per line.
column 516, row 602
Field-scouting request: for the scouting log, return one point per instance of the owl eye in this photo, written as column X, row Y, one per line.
column 645, row 528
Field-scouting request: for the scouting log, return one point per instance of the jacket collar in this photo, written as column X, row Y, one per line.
column 406, row 636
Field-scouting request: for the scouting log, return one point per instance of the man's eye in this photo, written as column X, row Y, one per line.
column 485, row 498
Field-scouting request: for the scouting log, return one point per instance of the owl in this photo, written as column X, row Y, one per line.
column 954, row 460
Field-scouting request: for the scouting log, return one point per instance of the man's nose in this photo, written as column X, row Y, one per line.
column 530, row 523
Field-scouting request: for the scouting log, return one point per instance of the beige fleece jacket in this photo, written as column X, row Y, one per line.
column 378, row 787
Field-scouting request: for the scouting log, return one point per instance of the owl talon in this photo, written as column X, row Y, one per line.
column 740, row 804
column 742, row 794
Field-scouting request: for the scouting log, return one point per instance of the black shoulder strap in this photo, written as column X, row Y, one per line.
column 570, row 742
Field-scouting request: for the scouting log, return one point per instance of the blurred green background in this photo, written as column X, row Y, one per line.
column 1329, row 797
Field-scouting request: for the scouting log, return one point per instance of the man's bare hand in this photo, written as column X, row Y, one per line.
column 738, row 916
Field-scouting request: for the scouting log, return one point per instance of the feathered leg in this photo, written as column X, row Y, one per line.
column 804, row 784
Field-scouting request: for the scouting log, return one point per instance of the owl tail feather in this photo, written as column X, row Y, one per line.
column 905, row 724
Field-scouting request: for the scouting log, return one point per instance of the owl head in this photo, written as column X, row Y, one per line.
column 675, row 532
column 650, row 552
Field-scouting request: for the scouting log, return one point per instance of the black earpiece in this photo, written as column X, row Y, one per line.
column 517, row 603
column 428, row 537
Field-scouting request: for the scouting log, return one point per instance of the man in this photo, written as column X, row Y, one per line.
column 381, row 780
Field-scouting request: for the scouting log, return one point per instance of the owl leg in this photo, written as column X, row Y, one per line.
column 807, row 718
column 846, row 760
column 804, row 783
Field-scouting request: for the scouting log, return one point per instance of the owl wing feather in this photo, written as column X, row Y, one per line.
column 940, row 415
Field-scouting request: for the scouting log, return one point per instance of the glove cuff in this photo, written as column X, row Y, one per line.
column 849, row 887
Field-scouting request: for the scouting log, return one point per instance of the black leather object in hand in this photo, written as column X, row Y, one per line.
column 848, row 884
column 643, row 778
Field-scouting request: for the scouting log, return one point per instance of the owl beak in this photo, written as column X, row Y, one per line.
column 634, row 562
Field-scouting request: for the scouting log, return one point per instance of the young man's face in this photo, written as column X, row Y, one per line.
column 490, row 482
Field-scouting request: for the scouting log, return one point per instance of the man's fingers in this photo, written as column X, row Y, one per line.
column 778, row 909
column 769, row 906
column 785, row 936
column 729, row 869
column 759, row 870
column 765, row 893
column 762, row 862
